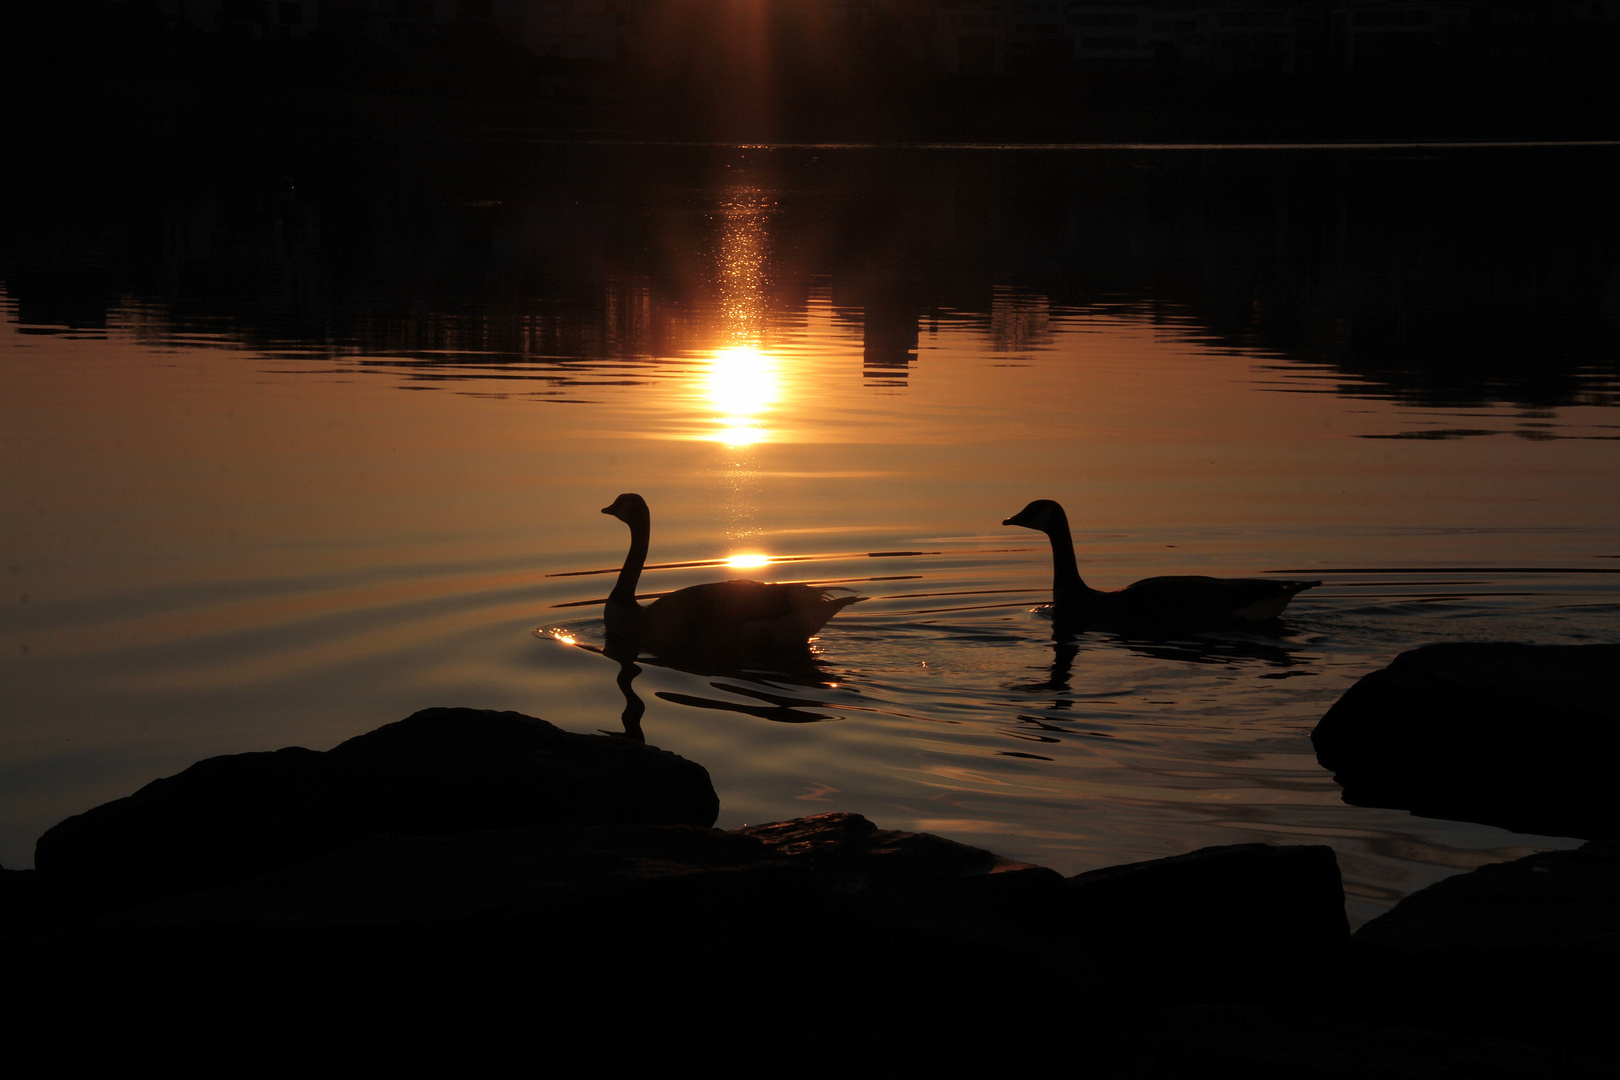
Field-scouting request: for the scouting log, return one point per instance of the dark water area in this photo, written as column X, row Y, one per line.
column 889, row 71
column 225, row 528
column 1439, row 276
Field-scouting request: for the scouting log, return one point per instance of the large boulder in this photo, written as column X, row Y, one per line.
column 465, row 886
column 1257, row 1041
column 1519, row 736
column 439, row 771
column 811, row 948
column 1524, row 949
column 1245, row 922
column 848, row 846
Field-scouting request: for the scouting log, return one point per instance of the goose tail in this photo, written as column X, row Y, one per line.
column 818, row 609
column 1270, row 606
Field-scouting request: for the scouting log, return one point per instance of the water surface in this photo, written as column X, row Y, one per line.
column 289, row 458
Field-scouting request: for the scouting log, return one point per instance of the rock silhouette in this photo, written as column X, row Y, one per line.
column 1527, row 947
column 1520, row 736
column 1255, row 920
column 380, row 904
column 436, row 772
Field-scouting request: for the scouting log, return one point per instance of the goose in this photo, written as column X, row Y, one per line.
column 1157, row 601
column 720, row 618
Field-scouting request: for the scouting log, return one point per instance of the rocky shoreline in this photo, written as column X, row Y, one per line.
column 464, row 886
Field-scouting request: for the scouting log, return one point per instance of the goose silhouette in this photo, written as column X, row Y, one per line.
column 721, row 619
column 1152, row 602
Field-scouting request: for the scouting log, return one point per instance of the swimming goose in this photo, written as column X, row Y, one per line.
column 722, row 617
column 1158, row 601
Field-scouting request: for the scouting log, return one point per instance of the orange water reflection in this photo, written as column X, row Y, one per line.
column 208, row 555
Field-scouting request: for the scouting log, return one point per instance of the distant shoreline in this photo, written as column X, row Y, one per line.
column 786, row 144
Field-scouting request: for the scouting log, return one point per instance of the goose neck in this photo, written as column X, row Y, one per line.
column 1066, row 581
column 624, row 590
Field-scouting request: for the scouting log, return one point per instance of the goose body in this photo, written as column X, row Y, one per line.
column 1158, row 601
column 722, row 617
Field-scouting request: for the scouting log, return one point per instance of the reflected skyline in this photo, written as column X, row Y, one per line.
column 1440, row 289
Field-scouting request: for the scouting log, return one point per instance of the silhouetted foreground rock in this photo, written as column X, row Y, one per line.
column 1248, row 922
column 1502, row 972
column 1520, row 736
column 1254, row 1041
column 1524, row 949
column 438, row 771
column 605, row 946
column 427, row 923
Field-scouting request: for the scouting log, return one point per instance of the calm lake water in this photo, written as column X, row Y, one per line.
column 296, row 446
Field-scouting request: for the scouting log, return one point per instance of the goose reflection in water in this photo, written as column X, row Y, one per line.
column 1211, row 649
column 804, row 671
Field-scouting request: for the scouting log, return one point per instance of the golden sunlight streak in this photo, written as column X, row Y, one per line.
column 744, row 246
column 748, row 562
column 739, row 436
column 742, row 380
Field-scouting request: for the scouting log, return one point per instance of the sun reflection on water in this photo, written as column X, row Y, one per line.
column 743, row 380
column 742, row 385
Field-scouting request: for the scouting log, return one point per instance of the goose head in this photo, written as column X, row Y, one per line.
column 1043, row 515
column 629, row 508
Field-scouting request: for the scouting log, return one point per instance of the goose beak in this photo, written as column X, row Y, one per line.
column 607, row 509
column 1009, row 521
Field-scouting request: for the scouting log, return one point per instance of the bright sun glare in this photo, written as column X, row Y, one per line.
column 742, row 383
column 748, row 562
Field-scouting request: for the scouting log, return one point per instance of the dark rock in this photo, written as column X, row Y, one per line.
column 1520, row 736
column 465, row 886
column 438, row 771
column 1524, row 949
column 1263, row 1043
column 1246, row 922
column 395, row 879
column 851, row 846
column 624, row 944
column 454, row 770
column 20, row 904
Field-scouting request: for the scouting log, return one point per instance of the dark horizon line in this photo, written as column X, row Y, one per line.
column 1294, row 144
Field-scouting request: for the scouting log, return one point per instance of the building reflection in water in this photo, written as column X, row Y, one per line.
column 1399, row 274
column 888, row 343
